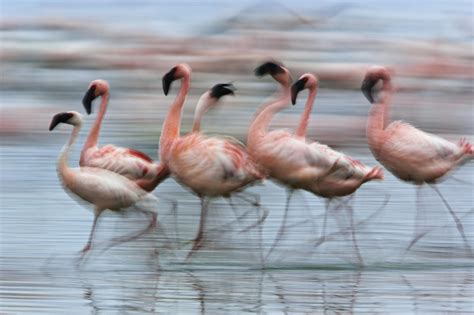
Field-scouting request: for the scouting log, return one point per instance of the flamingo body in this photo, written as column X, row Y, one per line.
column 130, row 163
column 416, row 156
column 296, row 162
column 293, row 160
column 102, row 188
column 127, row 162
column 209, row 166
column 212, row 166
column 407, row 152
column 314, row 167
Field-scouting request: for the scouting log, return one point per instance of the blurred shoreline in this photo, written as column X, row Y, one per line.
column 47, row 64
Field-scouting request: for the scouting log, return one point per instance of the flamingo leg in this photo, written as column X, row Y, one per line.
column 234, row 209
column 414, row 241
column 325, row 220
column 88, row 246
column 261, row 218
column 255, row 203
column 281, row 231
column 326, row 213
column 350, row 211
column 459, row 225
column 308, row 210
column 174, row 213
column 344, row 231
column 419, row 235
column 124, row 239
column 198, row 240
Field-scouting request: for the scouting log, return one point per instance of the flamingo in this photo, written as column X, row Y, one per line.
column 102, row 188
column 407, row 152
column 296, row 162
column 135, row 165
column 209, row 166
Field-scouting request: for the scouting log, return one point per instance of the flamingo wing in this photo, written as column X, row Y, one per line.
column 103, row 188
column 414, row 155
column 211, row 166
column 127, row 162
column 290, row 159
column 414, row 145
column 216, row 157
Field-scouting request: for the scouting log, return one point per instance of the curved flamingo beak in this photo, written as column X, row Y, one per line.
column 167, row 79
column 367, row 86
column 297, row 87
column 272, row 68
column 222, row 89
column 59, row 118
column 88, row 98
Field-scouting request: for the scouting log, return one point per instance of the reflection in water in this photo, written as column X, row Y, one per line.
column 315, row 291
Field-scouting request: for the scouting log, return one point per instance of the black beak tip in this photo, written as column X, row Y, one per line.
column 167, row 79
column 366, row 89
column 222, row 89
column 53, row 124
column 297, row 87
column 59, row 118
column 87, row 100
column 166, row 85
column 87, row 107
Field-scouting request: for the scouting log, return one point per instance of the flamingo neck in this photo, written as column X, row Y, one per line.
column 303, row 125
column 201, row 108
column 172, row 124
column 259, row 126
column 62, row 167
column 91, row 140
column 379, row 118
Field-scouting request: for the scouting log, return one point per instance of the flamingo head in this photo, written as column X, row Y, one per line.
column 177, row 72
column 306, row 81
column 96, row 88
column 212, row 96
column 70, row 118
column 221, row 89
column 372, row 77
column 278, row 72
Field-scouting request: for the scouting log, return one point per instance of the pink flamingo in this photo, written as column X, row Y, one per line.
column 408, row 153
column 100, row 187
column 294, row 161
column 130, row 163
column 209, row 166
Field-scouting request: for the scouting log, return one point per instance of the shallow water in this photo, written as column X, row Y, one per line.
column 42, row 230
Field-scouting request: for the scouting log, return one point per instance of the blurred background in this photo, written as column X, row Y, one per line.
column 51, row 50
